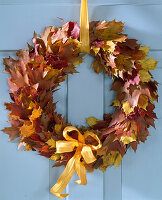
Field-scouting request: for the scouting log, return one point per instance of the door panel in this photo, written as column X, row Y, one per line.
column 23, row 175
column 85, row 99
column 141, row 171
column 143, row 22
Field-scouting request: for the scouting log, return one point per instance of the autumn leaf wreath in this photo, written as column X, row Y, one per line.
column 38, row 72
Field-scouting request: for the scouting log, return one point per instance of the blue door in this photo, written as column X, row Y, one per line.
column 28, row 176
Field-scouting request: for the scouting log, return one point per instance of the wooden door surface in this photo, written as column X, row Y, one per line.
column 28, row 176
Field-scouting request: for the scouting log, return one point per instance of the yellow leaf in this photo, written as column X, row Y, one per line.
column 116, row 102
column 144, row 76
column 55, row 157
column 148, row 64
column 95, row 49
column 36, row 113
column 27, row 129
column 118, row 160
column 145, row 49
column 112, row 158
column 51, row 142
column 110, row 30
column 78, row 62
column 126, row 139
column 152, row 99
column 143, row 101
column 74, row 41
column 109, row 46
column 31, row 105
column 58, row 127
column 91, row 121
column 52, row 73
column 27, row 148
column 126, row 107
column 108, row 159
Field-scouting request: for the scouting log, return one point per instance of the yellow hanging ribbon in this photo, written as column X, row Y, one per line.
column 84, row 27
column 74, row 164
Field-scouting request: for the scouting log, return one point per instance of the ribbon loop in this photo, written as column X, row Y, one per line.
column 65, row 146
column 88, row 133
column 88, row 154
column 74, row 164
column 67, row 137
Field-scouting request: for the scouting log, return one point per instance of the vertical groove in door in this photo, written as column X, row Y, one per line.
column 103, row 113
column 60, row 96
column 67, row 120
column 121, row 180
column 112, row 176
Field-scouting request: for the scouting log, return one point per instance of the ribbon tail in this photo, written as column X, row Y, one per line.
column 64, row 179
column 84, row 27
column 81, row 171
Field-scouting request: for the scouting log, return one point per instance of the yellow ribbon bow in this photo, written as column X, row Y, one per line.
column 82, row 150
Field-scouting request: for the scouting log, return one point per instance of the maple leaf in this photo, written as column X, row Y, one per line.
column 118, row 160
column 58, row 34
column 101, row 124
column 12, row 131
column 143, row 101
column 126, row 107
column 12, row 65
column 36, row 113
column 98, row 43
column 15, row 120
column 72, row 29
column 148, row 64
column 52, row 143
column 109, row 46
column 91, row 121
column 55, row 157
column 128, row 139
column 110, row 30
column 27, row 129
column 18, row 110
column 97, row 67
column 144, row 75
column 145, row 50
column 58, row 127
column 53, row 73
column 45, row 34
column 95, row 49
column 112, row 158
column 55, row 61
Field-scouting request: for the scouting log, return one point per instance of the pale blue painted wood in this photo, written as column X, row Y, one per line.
column 112, row 176
column 143, row 22
column 142, row 171
column 23, row 175
column 98, row 2
column 85, row 99
column 60, row 97
column 141, row 174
